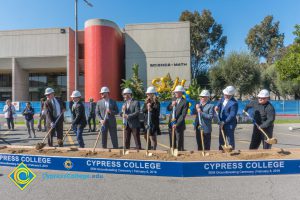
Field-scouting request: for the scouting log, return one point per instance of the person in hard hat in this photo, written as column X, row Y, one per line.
column 42, row 117
column 28, row 112
column 92, row 115
column 264, row 116
column 153, row 106
column 205, row 110
column 9, row 113
column 130, row 113
column 178, row 107
column 54, row 109
column 227, row 108
column 78, row 117
column 106, row 110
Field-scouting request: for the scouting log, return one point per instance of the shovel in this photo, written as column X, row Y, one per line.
column 268, row 140
column 67, row 133
column 102, row 128
column 202, row 135
column 173, row 151
column 225, row 147
column 124, row 126
column 148, row 133
column 41, row 145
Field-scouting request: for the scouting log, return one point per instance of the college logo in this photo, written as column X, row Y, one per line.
column 22, row 176
column 68, row 164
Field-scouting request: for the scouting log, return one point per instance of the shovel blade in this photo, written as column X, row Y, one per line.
column 40, row 146
column 173, row 152
column 227, row 148
column 271, row 141
column 149, row 154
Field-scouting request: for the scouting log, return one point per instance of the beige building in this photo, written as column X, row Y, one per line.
column 158, row 49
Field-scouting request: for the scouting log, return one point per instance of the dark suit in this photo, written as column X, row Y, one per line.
column 154, row 121
column 180, row 113
column 50, row 118
column 132, row 124
column 92, row 116
column 228, row 116
column 110, row 123
column 79, row 121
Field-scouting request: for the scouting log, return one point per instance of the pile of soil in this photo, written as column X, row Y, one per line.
column 159, row 155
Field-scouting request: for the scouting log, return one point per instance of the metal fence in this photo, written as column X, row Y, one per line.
column 281, row 107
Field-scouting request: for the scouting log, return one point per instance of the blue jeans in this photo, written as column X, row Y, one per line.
column 78, row 131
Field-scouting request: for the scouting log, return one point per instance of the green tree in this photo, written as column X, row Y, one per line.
column 264, row 39
column 269, row 80
column 217, row 81
column 238, row 69
column 194, row 89
column 207, row 40
column 135, row 84
column 288, row 66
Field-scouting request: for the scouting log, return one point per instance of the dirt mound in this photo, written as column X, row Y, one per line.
column 157, row 155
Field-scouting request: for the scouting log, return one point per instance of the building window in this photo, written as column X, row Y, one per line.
column 38, row 82
column 80, row 51
column 5, row 80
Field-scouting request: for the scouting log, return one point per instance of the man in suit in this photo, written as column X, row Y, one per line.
column 78, row 116
column 54, row 109
column 130, row 112
column 106, row 110
column 178, row 107
column 227, row 108
column 92, row 115
column 206, row 111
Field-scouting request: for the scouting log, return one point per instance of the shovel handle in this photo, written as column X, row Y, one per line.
column 67, row 133
column 202, row 142
column 257, row 125
column 96, row 141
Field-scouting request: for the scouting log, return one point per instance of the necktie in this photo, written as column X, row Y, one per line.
column 54, row 108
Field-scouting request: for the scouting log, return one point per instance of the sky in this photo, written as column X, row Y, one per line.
column 236, row 16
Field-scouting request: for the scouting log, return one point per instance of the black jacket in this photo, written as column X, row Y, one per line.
column 263, row 114
column 180, row 113
column 28, row 113
column 78, row 113
column 154, row 114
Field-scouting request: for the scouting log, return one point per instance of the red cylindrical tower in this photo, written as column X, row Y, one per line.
column 103, row 46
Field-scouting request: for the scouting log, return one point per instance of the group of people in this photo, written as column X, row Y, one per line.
column 106, row 110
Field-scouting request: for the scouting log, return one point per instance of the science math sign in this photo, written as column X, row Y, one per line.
column 154, row 167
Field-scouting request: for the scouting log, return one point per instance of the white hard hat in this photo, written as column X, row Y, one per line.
column 151, row 90
column 179, row 88
column 127, row 91
column 204, row 93
column 104, row 89
column 264, row 93
column 49, row 91
column 229, row 90
column 76, row 93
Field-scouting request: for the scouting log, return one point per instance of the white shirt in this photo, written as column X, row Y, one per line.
column 106, row 103
column 128, row 103
column 224, row 104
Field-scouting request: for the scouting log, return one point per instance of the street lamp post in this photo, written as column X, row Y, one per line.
column 76, row 43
